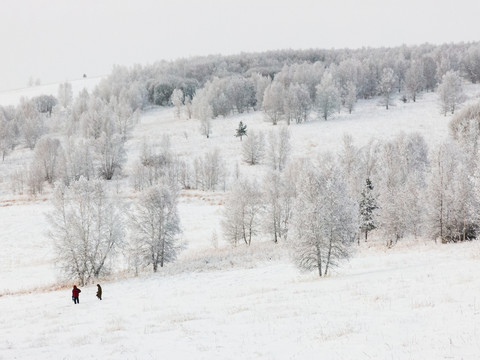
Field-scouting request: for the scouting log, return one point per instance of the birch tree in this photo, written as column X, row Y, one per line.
column 253, row 148
column 414, row 80
column 155, row 226
column 86, row 226
column 386, row 86
column 279, row 148
column 450, row 92
column 242, row 212
column 65, row 94
column 327, row 96
column 325, row 220
column 273, row 102
column 6, row 135
column 177, row 101
column 279, row 198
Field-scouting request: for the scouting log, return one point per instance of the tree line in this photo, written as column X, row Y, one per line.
column 318, row 207
column 397, row 188
column 287, row 84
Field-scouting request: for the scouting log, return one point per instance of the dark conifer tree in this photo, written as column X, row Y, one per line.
column 241, row 130
column 368, row 205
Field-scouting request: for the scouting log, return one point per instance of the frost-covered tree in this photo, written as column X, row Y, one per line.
column 325, row 219
column 368, row 159
column 79, row 155
column 452, row 206
column 273, row 102
column 429, row 73
column 414, row 80
column 261, row 83
column 110, row 152
column 386, row 86
column 414, row 199
column 209, row 171
column 297, row 103
column 240, row 93
column 253, row 148
column 203, row 112
column 400, row 67
column 350, row 97
column 6, row 135
column 471, row 63
column 347, row 75
column 402, row 165
column 279, row 198
column 30, row 122
column 242, row 212
column 278, row 148
column 350, row 166
column 444, row 164
column 391, row 217
column 327, row 97
column 124, row 117
column 86, row 226
column 35, row 179
column 369, row 78
column 206, row 126
column 155, row 165
column 177, row 101
column 95, row 117
column 50, row 158
column 465, row 129
column 450, row 92
column 188, row 107
column 155, row 226
column 367, row 207
column 45, row 103
column 65, row 94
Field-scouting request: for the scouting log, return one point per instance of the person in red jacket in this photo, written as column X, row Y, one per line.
column 75, row 293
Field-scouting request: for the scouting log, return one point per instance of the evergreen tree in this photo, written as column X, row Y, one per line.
column 367, row 206
column 241, row 130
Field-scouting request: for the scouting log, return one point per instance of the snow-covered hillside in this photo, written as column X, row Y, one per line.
column 200, row 212
column 415, row 301
column 12, row 97
column 419, row 300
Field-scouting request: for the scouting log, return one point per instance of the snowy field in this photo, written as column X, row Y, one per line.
column 418, row 300
column 12, row 97
column 415, row 301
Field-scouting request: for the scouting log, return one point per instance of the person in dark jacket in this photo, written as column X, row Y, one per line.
column 75, row 293
column 99, row 291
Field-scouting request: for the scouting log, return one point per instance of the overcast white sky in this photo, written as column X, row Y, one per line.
column 57, row 40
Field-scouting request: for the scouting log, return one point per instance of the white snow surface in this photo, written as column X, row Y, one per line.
column 417, row 300
column 12, row 97
column 420, row 301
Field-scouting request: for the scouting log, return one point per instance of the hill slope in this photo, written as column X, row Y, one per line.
column 409, row 302
column 244, row 303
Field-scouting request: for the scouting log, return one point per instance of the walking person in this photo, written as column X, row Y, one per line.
column 99, row 291
column 75, row 293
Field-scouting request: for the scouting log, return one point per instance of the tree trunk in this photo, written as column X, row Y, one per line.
column 163, row 253
column 319, row 261
column 329, row 252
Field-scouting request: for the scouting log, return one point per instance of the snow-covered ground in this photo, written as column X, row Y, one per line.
column 415, row 301
column 419, row 300
column 12, row 97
